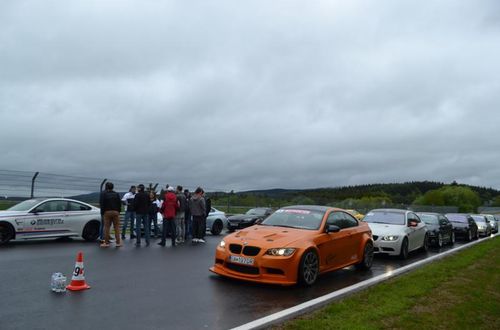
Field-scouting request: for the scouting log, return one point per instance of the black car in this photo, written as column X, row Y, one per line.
column 253, row 216
column 463, row 225
column 439, row 228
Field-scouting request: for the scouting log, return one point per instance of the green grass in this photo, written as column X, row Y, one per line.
column 6, row 204
column 459, row 292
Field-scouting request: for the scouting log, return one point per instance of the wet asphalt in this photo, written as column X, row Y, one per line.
column 147, row 287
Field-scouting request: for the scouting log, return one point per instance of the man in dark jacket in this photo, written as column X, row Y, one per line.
column 141, row 205
column 197, row 208
column 110, row 204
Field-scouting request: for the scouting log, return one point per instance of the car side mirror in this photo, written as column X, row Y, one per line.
column 332, row 229
column 258, row 221
column 412, row 223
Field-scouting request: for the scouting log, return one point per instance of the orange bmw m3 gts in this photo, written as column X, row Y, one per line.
column 295, row 245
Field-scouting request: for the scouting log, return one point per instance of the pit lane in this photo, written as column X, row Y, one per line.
column 148, row 287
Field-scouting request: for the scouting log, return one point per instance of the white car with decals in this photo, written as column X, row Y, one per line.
column 397, row 232
column 49, row 218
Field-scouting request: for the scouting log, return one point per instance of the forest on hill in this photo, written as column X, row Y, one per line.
column 467, row 198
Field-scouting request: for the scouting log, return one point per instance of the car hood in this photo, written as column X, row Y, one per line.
column 243, row 217
column 269, row 237
column 382, row 229
column 11, row 213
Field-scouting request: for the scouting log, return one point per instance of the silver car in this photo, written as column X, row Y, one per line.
column 49, row 218
column 493, row 222
column 216, row 221
column 483, row 224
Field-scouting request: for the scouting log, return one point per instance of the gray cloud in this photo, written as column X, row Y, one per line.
column 255, row 95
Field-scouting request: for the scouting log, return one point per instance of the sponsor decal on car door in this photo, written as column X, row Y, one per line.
column 48, row 220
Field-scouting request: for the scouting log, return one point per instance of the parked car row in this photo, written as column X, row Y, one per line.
column 296, row 244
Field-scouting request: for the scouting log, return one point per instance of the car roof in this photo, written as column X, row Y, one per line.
column 391, row 210
column 430, row 213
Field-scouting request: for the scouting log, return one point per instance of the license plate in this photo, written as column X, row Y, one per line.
column 241, row 260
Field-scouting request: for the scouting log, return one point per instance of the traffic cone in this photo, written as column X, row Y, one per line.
column 78, row 279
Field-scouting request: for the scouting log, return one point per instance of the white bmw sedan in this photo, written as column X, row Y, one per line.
column 397, row 232
column 49, row 218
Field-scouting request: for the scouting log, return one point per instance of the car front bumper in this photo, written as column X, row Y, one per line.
column 387, row 247
column 265, row 269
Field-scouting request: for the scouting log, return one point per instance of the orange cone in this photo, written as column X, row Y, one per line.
column 78, row 279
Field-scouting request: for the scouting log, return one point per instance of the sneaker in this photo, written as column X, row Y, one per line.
column 137, row 244
column 161, row 243
column 104, row 245
column 201, row 240
column 195, row 240
column 119, row 245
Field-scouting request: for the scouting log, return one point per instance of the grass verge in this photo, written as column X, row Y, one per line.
column 459, row 292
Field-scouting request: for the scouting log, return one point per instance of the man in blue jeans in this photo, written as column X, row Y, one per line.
column 141, row 206
column 128, row 200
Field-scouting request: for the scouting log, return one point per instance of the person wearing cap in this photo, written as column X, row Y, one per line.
column 169, row 209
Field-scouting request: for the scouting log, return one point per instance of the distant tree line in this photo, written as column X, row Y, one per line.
column 466, row 198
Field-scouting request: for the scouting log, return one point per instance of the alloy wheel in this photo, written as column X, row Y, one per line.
column 310, row 268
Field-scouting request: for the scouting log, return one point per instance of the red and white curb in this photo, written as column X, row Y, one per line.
column 319, row 302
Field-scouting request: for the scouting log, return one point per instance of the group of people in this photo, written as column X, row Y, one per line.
column 184, row 214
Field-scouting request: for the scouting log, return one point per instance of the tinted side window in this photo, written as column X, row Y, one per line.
column 73, row 206
column 349, row 221
column 335, row 218
column 52, row 206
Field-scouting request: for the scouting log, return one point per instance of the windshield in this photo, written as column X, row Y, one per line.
column 24, row 206
column 295, row 218
column 429, row 219
column 457, row 218
column 256, row 212
column 391, row 218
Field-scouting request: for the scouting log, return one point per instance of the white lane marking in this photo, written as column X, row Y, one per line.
column 326, row 299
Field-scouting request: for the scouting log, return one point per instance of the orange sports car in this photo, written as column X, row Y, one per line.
column 295, row 245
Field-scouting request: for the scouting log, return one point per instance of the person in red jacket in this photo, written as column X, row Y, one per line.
column 169, row 209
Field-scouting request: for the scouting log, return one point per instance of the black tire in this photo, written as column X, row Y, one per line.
column 91, row 231
column 403, row 253
column 6, row 233
column 217, row 227
column 469, row 235
column 440, row 240
column 425, row 245
column 308, row 268
column 452, row 238
column 367, row 261
column 477, row 234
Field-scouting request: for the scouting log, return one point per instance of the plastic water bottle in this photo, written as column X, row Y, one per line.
column 58, row 282
column 53, row 281
column 61, row 283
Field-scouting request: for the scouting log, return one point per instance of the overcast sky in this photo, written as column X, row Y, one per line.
column 252, row 94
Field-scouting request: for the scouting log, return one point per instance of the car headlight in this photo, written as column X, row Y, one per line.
column 222, row 244
column 390, row 238
column 280, row 252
